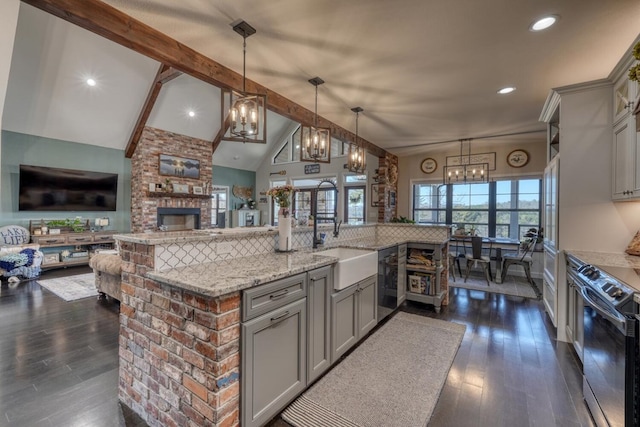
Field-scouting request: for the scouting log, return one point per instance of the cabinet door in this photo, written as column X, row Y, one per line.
column 402, row 273
column 344, row 321
column 320, row 284
column 274, row 362
column 367, row 306
column 623, row 158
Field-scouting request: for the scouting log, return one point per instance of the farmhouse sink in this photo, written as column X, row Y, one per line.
column 353, row 265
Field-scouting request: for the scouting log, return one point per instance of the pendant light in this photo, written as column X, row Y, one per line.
column 468, row 170
column 244, row 115
column 357, row 159
column 316, row 141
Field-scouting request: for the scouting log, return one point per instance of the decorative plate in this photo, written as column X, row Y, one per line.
column 428, row 165
column 518, row 158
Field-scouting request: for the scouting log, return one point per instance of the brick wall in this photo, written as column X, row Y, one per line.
column 144, row 170
column 179, row 351
column 387, row 211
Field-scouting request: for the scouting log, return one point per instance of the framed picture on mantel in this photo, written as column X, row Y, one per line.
column 178, row 166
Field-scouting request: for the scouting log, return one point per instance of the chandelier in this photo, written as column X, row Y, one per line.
column 357, row 160
column 467, row 170
column 246, row 113
column 316, row 141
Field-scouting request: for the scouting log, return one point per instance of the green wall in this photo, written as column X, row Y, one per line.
column 18, row 148
column 231, row 177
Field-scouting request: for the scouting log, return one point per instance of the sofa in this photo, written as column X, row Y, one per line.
column 107, row 269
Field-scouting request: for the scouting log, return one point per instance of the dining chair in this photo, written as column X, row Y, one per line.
column 475, row 257
column 522, row 257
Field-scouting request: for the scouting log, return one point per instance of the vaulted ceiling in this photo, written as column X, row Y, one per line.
column 425, row 71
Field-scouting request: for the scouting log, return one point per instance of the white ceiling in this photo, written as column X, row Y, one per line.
column 423, row 70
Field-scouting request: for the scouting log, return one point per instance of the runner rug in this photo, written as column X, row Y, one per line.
column 393, row 378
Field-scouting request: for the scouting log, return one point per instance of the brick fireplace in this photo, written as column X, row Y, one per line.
column 145, row 204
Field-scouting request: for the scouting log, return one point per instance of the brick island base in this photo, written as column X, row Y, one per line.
column 179, row 351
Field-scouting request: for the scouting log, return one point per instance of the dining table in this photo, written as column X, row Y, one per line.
column 492, row 246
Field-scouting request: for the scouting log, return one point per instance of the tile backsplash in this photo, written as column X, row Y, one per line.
column 221, row 247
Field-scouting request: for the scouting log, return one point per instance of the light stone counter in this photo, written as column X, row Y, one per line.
column 379, row 243
column 607, row 259
column 224, row 277
column 227, row 276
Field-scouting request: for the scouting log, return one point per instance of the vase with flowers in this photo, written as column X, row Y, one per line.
column 282, row 196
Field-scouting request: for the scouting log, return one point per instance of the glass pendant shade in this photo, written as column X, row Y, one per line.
column 316, row 141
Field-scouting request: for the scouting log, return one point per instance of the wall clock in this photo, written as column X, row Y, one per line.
column 428, row 165
column 518, row 158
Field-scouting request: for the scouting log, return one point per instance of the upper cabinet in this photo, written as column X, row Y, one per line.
column 625, row 155
column 624, row 93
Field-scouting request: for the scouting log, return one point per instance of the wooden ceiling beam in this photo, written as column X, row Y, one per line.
column 112, row 24
column 168, row 75
column 152, row 96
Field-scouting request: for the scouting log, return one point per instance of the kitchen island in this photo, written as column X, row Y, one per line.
column 182, row 310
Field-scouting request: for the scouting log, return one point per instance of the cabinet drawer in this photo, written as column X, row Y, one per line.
column 82, row 238
column 103, row 238
column 50, row 240
column 262, row 299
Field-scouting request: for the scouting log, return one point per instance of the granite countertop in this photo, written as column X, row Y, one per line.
column 607, row 259
column 224, row 277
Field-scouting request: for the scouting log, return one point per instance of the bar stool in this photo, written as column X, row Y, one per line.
column 476, row 257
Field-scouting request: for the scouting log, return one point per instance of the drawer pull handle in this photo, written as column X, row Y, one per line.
column 51, row 240
column 281, row 317
column 80, row 239
column 280, row 295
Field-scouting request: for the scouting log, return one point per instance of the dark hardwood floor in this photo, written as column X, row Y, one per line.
column 59, row 362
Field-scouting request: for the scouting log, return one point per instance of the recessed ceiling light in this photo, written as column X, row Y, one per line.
column 236, row 157
column 544, row 23
column 192, row 113
column 506, row 90
column 91, row 82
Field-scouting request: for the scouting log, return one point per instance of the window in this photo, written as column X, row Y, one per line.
column 497, row 209
column 470, row 206
column 219, row 196
column 355, row 203
column 517, row 207
column 430, row 203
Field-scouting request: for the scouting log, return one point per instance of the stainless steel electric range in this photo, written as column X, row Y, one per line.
column 611, row 346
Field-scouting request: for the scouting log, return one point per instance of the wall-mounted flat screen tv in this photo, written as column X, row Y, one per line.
column 53, row 189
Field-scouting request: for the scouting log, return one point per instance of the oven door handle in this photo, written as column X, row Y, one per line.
column 618, row 320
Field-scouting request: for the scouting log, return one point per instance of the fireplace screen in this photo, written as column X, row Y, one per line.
column 178, row 219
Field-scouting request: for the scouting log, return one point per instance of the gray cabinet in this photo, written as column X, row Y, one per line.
column 320, row 284
column 353, row 314
column 402, row 273
column 273, row 347
column 273, row 362
column 366, row 306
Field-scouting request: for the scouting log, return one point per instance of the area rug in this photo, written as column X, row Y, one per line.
column 393, row 378
column 515, row 286
column 71, row 288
